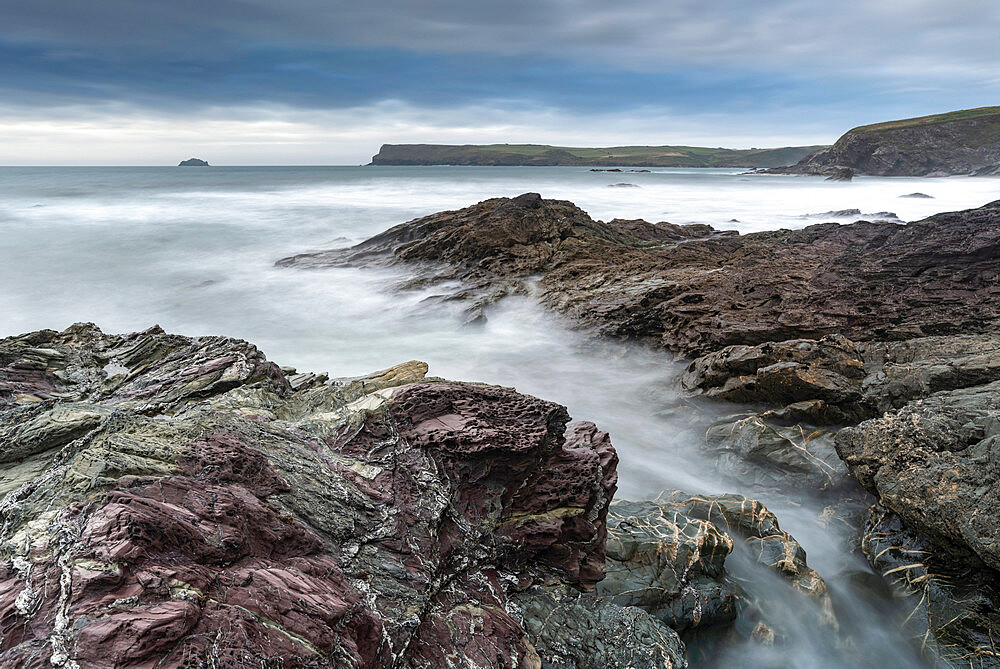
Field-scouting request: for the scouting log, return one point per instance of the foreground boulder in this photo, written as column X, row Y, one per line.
column 936, row 463
column 693, row 290
column 170, row 501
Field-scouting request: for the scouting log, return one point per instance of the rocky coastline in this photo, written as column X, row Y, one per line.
column 540, row 155
column 959, row 143
column 865, row 351
column 173, row 501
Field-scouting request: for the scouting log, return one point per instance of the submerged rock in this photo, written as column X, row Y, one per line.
column 172, row 501
column 770, row 456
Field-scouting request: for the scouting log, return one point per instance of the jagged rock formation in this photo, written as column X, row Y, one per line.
column 831, row 325
column 169, row 500
column 693, row 290
column 964, row 142
column 172, row 501
column 926, row 449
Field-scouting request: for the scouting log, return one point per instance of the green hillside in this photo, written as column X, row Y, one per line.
column 960, row 115
column 620, row 156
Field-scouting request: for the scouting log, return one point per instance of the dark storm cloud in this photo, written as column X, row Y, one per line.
column 350, row 77
column 629, row 32
column 821, row 63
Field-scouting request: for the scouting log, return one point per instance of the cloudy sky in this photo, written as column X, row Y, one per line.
column 328, row 81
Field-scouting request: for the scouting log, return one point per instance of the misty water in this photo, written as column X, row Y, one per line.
column 193, row 250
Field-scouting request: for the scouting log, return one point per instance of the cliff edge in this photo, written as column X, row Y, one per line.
column 965, row 142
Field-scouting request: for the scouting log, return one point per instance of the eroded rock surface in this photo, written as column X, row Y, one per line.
column 171, row 501
column 954, row 610
column 936, row 463
column 693, row 290
column 834, row 380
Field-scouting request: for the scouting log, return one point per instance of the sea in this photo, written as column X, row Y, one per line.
column 193, row 250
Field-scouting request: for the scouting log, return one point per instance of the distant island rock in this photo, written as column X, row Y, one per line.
column 616, row 156
column 193, row 162
column 965, row 142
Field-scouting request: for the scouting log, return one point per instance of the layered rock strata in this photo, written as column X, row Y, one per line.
column 692, row 289
column 171, row 501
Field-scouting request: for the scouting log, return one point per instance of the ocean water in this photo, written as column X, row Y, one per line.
column 193, row 250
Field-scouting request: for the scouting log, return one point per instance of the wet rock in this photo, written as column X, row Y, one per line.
column 776, row 457
column 574, row 630
column 196, row 507
column 667, row 571
column 865, row 281
column 669, row 564
column 936, row 463
column 668, row 557
column 954, row 608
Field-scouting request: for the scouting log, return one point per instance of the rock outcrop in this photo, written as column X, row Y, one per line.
column 172, row 501
column 693, row 290
column 926, row 449
column 936, row 463
column 193, row 162
column 964, row 142
column 865, row 351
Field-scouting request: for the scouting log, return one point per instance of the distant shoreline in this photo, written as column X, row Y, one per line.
column 544, row 155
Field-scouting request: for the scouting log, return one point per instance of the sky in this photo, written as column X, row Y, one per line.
column 254, row 82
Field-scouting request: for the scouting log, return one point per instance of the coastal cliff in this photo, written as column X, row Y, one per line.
column 620, row 156
column 963, row 142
